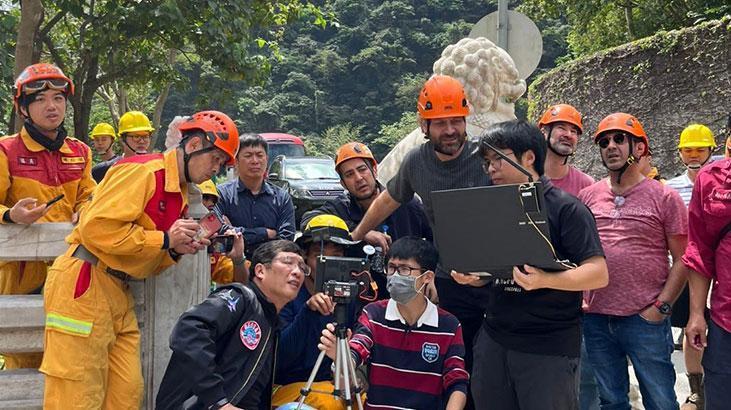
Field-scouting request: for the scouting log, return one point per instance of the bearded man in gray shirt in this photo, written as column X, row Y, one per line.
column 447, row 161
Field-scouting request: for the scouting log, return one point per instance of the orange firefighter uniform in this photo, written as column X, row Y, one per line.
column 27, row 169
column 92, row 340
column 222, row 269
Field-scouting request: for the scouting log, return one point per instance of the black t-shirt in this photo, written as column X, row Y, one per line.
column 546, row 321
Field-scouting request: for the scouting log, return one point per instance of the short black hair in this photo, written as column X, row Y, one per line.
column 265, row 253
column 419, row 249
column 519, row 136
column 252, row 140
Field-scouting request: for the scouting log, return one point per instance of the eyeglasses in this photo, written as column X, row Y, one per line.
column 497, row 163
column 139, row 137
column 51, row 83
column 403, row 270
column 618, row 139
column 293, row 262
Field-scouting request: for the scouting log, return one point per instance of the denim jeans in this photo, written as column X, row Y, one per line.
column 610, row 340
column 717, row 367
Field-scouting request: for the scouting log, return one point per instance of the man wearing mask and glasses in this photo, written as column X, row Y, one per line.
column 223, row 348
column 135, row 133
column 413, row 349
column 639, row 220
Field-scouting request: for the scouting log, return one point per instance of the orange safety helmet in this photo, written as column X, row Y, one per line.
column 354, row 150
column 39, row 72
column 219, row 128
column 442, row 97
column 620, row 121
column 562, row 113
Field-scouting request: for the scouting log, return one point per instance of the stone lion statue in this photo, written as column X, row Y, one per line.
column 492, row 85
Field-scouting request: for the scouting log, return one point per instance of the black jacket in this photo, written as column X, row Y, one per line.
column 219, row 348
column 407, row 220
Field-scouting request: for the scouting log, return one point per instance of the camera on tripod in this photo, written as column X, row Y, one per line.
column 337, row 276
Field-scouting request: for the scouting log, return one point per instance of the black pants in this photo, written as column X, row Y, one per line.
column 467, row 303
column 504, row 379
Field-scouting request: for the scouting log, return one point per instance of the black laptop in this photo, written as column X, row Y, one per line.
column 488, row 230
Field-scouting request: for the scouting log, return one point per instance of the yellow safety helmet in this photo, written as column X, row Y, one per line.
column 208, row 188
column 134, row 121
column 697, row 136
column 333, row 227
column 103, row 129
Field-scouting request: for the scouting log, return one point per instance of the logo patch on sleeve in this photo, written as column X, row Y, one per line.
column 250, row 334
column 430, row 352
column 73, row 160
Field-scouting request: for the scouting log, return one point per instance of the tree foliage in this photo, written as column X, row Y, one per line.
column 102, row 42
column 595, row 25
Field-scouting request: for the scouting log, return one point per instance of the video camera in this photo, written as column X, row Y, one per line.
column 342, row 278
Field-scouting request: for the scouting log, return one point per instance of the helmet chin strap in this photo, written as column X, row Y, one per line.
column 124, row 140
column 699, row 166
column 553, row 149
column 630, row 160
column 188, row 156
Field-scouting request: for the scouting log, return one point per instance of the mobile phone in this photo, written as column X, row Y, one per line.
column 208, row 226
column 222, row 244
column 54, row 200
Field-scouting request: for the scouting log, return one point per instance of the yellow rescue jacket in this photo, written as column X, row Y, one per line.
column 27, row 169
column 124, row 225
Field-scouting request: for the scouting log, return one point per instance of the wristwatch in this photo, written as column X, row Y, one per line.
column 664, row 307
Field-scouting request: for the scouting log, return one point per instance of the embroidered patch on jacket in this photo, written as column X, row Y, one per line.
column 430, row 352
column 32, row 161
column 250, row 334
column 231, row 301
column 73, row 160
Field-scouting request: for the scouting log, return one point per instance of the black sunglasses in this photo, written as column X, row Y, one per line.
column 618, row 140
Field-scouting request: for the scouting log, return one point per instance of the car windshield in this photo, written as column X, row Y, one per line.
column 310, row 170
column 290, row 150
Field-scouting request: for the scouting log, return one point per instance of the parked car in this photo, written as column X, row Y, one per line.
column 283, row 144
column 310, row 181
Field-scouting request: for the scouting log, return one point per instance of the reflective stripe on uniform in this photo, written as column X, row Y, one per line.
column 54, row 320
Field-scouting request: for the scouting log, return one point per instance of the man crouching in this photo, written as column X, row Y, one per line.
column 223, row 348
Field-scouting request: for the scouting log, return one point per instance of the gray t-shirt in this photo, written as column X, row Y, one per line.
column 421, row 172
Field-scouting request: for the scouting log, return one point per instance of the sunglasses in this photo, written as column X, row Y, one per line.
column 617, row 138
column 40, row 85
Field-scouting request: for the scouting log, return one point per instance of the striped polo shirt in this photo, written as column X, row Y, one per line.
column 410, row 367
column 683, row 185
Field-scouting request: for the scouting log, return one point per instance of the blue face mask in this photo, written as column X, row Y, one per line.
column 403, row 288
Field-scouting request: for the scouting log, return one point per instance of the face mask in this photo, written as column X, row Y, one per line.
column 402, row 288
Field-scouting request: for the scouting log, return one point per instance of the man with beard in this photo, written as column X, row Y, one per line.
column 103, row 136
column 135, row 132
column 639, row 221
column 561, row 125
column 37, row 165
column 695, row 148
column 261, row 211
column 358, row 171
column 446, row 161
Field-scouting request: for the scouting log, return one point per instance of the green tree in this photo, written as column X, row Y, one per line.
column 596, row 25
column 103, row 43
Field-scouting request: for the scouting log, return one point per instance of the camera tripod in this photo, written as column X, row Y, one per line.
column 344, row 366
